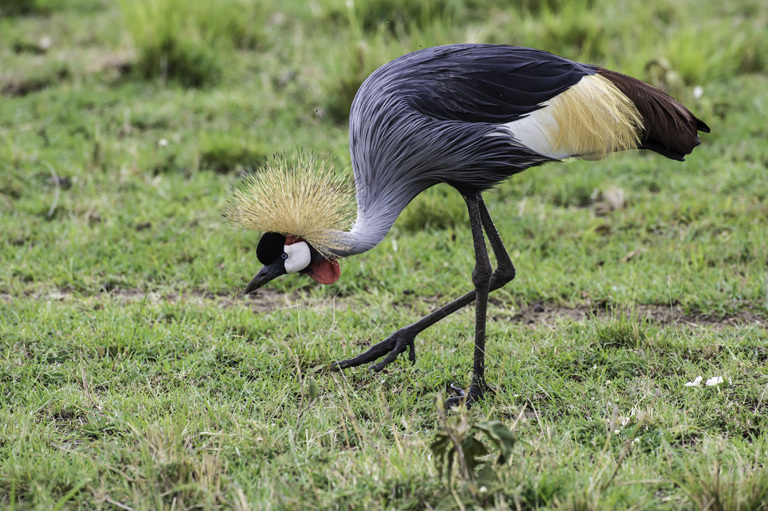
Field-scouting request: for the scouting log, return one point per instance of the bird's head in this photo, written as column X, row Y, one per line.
column 302, row 205
column 283, row 255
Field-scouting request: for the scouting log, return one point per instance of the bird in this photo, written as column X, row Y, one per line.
column 470, row 116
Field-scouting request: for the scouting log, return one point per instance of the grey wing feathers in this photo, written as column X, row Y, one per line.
column 484, row 83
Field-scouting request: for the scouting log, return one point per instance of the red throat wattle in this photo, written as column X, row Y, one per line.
column 325, row 271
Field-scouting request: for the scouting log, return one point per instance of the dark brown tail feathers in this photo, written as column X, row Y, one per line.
column 670, row 129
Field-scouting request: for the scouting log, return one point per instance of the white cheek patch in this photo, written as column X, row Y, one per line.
column 298, row 257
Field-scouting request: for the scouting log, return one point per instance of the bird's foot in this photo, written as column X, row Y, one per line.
column 392, row 346
column 476, row 392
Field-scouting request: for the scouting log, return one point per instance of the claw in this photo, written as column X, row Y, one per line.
column 460, row 398
column 475, row 393
column 389, row 348
column 458, row 390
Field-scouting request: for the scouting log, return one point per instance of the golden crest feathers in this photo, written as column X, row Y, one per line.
column 301, row 195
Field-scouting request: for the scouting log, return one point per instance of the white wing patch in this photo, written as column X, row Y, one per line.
column 589, row 120
column 538, row 131
column 298, row 257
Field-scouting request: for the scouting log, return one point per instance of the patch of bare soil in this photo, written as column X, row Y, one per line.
column 19, row 87
column 658, row 314
column 264, row 301
column 267, row 300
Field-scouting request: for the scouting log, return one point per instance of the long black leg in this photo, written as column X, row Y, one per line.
column 481, row 278
column 403, row 339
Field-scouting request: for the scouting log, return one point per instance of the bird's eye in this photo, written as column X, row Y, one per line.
column 284, row 256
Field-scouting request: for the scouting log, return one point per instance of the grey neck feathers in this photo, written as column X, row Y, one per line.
column 374, row 221
column 389, row 166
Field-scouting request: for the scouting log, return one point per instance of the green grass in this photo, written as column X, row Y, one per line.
column 189, row 42
column 134, row 376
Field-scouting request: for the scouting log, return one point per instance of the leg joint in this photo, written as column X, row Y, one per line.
column 481, row 275
column 504, row 273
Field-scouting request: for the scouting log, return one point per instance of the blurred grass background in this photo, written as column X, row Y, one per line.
column 133, row 377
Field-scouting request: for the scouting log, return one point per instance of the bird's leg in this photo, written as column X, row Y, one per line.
column 505, row 270
column 504, row 273
column 481, row 278
column 404, row 338
column 392, row 346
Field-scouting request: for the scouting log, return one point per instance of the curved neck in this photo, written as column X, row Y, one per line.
column 372, row 225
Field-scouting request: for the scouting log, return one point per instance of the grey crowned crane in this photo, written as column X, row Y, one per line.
column 469, row 115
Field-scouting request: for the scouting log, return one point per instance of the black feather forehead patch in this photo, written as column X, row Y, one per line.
column 270, row 247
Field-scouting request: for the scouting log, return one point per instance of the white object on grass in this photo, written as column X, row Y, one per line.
column 694, row 383
column 714, row 381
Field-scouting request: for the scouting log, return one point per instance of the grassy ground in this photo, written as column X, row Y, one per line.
column 133, row 376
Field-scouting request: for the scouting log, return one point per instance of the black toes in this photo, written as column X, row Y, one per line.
column 389, row 348
column 412, row 351
column 475, row 393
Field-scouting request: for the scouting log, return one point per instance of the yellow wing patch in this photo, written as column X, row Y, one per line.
column 594, row 118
